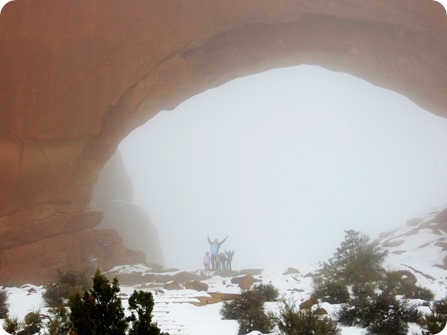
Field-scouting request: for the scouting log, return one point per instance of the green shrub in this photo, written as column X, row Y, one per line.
column 356, row 312
column 31, row 325
column 378, row 314
column 99, row 311
column 394, row 284
column 248, row 310
column 418, row 292
column 3, row 304
column 330, row 290
column 357, row 261
column 389, row 316
column 440, row 306
column 385, row 317
column 364, row 291
column 436, row 322
column 69, row 282
column 388, row 326
column 291, row 321
column 59, row 323
column 11, row 325
column 268, row 291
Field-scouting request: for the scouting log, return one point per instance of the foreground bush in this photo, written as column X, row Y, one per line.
column 303, row 322
column 11, row 325
column 3, row 304
column 141, row 305
column 69, row 282
column 436, row 322
column 59, row 323
column 31, row 325
column 99, row 311
column 248, row 310
column 331, row 290
column 395, row 284
column 268, row 291
column 382, row 314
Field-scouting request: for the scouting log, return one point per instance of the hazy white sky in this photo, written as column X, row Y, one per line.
column 282, row 162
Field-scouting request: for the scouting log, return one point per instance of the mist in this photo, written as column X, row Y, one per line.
column 283, row 162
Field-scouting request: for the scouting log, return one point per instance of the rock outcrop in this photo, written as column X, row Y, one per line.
column 78, row 76
column 422, row 236
column 113, row 196
column 244, row 282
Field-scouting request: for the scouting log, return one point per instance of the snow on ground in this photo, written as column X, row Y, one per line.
column 416, row 247
column 175, row 312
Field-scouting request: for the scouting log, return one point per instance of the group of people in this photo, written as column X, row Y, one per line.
column 216, row 260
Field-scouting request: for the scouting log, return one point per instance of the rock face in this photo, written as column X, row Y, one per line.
column 78, row 76
column 113, row 195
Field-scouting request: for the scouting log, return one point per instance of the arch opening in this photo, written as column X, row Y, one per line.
column 294, row 155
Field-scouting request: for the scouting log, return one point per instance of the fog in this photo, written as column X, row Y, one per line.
column 282, row 162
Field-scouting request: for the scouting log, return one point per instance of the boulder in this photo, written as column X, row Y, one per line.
column 407, row 277
column 244, row 282
column 309, row 303
column 320, row 311
column 196, row 286
column 215, row 297
column 173, row 285
column 290, row 271
column 441, row 217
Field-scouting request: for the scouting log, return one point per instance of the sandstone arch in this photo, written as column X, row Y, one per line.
column 77, row 77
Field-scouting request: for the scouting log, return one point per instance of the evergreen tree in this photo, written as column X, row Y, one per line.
column 99, row 311
column 141, row 305
column 356, row 261
column 59, row 323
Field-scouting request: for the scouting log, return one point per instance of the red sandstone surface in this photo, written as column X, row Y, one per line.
column 78, row 76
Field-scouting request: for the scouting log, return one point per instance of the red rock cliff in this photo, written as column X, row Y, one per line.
column 78, row 76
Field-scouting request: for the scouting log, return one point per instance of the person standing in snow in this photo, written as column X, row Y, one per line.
column 218, row 264
column 214, row 250
column 206, row 261
column 223, row 261
column 229, row 255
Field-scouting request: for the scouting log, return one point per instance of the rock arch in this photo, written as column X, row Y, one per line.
column 77, row 77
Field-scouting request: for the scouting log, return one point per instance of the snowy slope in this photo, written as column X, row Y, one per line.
column 421, row 248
